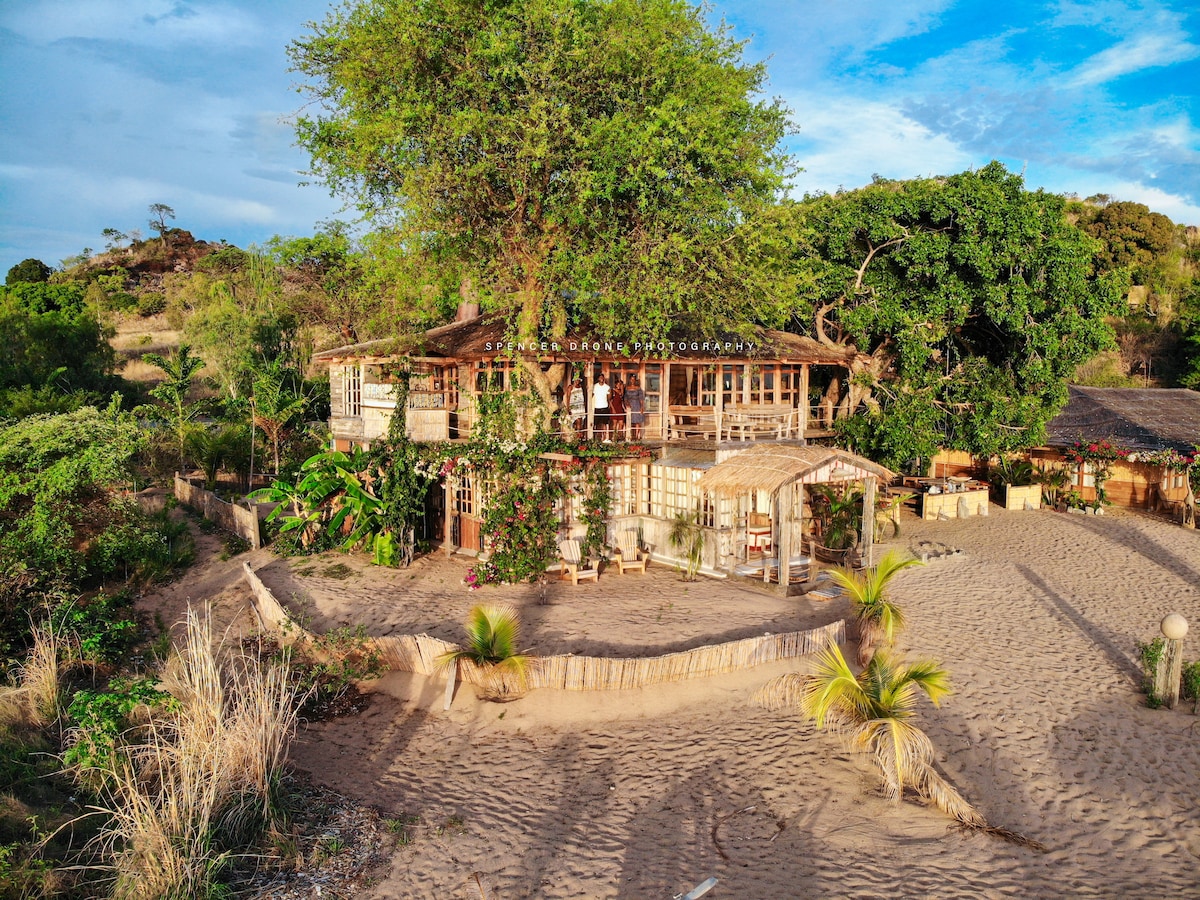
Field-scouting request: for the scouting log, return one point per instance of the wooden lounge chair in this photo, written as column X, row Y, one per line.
column 629, row 556
column 572, row 564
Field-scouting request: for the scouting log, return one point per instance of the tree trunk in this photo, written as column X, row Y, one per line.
column 866, row 370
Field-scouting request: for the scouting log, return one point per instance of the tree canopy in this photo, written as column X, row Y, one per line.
column 968, row 299
column 28, row 271
column 54, row 346
column 564, row 155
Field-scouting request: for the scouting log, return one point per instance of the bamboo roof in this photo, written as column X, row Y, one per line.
column 770, row 466
column 1133, row 418
column 488, row 337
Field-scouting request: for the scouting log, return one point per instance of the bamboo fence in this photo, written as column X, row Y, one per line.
column 418, row 653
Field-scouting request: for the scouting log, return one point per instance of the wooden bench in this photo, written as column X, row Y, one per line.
column 692, row 421
column 753, row 420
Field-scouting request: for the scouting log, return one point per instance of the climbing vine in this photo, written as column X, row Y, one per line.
column 522, row 524
column 597, row 504
column 1100, row 456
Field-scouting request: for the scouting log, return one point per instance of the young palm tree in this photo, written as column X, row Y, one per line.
column 878, row 618
column 874, row 711
column 180, row 369
column 275, row 407
column 493, row 634
column 687, row 534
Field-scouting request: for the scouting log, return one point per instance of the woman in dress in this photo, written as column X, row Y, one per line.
column 616, row 410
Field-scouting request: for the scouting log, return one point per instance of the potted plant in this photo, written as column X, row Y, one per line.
column 687, row 535
column 838, row 513
column 1013, row 485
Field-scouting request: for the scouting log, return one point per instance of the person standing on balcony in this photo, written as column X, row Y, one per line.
column 600, row 394
column 577, row 403
column 635, row 402
column 616, row 410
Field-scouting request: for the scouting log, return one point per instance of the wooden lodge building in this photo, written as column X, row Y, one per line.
column 715, row 387
column 707, row 399
column 1138, row 420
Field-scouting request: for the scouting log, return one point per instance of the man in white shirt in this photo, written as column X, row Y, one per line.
column 600, row 392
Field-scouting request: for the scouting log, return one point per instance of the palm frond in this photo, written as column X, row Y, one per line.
column 782, row 691
column 930, row 784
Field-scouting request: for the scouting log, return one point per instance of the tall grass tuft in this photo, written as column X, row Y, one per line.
column 203, row 787
column 41, row 675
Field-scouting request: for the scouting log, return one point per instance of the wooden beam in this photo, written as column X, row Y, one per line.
column 803, row 400
column 868, row 523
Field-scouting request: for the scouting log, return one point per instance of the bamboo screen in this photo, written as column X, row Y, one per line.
column 418, row 653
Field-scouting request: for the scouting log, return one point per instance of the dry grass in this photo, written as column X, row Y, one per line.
column 203, row 786
column 37, row 698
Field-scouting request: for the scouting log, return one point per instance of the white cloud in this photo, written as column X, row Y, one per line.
column 1136, row 53
column 844, row 141
column 1178, row 209
column 160, row 23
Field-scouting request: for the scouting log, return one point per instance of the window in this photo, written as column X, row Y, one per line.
column 464, row 495
column 352, row 390
column 653, row 389
column 628, row 481
column 493, row 375
column 673, row 491
column 1087, row 475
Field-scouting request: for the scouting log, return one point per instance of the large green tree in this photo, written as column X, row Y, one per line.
column 967, row 300
column 612, row 158
column 56, row 353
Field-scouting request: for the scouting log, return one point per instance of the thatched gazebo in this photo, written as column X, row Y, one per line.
column 783, row 470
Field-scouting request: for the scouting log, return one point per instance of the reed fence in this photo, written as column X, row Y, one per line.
column 228, row 516
column 418, row 653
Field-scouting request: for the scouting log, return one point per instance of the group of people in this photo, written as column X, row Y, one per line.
column 609, row 406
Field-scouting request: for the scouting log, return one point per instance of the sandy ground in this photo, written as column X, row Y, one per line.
column 644, row 794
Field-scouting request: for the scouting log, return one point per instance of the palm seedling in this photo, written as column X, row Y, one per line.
column 878, row 617
column 493, row 635
column 873, row 711
column 839, row 512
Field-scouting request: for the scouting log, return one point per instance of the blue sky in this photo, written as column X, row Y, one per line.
column 111, row 105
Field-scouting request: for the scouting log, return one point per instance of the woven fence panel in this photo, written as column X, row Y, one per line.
column 418, row 653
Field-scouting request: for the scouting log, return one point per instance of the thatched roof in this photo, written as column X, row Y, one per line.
column 487, row 337
column 770, row 466
column 687, row 458
column 1133, row 418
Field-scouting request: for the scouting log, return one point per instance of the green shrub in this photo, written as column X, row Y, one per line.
column 1151, row 654
column 151, row 305
column 102, row 718
column 138, row 545
column 102, row 623
column 1191, row 681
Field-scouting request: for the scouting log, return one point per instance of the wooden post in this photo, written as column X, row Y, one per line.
column 1170, row 668
column 776, row 535
column 803, row 400
column 447, row 519
column 719, row 401
column 783, row 550
column 664, row 403
column 868, row 523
